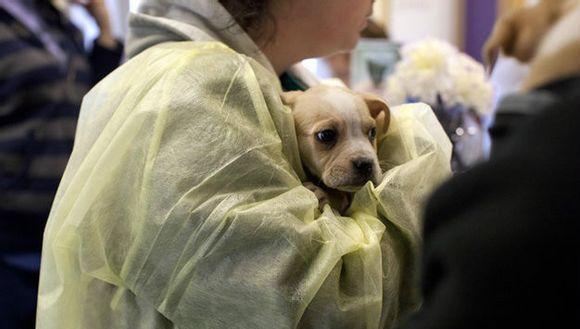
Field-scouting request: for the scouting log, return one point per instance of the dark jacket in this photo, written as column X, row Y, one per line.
column 40, row 99
column 502, row 242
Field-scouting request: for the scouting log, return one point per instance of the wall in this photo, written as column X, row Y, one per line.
column 381, row 11
column 411, row 20
column 480, row 16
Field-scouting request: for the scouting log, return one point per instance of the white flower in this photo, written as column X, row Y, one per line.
column 433, row 68
column 470, row 86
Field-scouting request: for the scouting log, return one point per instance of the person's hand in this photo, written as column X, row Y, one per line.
column 98, row 10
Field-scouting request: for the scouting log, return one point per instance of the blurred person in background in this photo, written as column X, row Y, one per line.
column 502, row 241
column 44, row 74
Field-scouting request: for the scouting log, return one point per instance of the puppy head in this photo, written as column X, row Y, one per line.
column 519, row 34
column 337, row 131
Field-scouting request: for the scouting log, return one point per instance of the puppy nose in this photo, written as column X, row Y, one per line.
column 363, row 167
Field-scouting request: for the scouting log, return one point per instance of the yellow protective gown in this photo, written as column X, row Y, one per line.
column 182, row 207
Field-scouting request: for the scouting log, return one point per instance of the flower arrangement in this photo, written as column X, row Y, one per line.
column 435, row 72
column 455, row 85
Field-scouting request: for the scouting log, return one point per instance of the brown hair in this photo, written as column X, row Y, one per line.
column 374, row 30
column 253, row 16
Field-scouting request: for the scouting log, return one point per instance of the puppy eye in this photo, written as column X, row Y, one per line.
column 326, row 136
column 372, row 134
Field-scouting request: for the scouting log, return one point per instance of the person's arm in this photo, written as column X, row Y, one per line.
column 107, row 51
column 189, row 201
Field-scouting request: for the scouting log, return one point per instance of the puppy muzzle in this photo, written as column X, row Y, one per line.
column 352, row 179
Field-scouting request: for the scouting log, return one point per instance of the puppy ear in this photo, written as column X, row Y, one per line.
column 379, row 110
column 503, row 37
column 289, row 97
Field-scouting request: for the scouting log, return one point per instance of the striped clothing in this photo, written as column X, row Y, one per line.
column 39, row 103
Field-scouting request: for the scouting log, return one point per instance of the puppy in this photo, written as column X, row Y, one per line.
column 519, row 34
column 337, row 132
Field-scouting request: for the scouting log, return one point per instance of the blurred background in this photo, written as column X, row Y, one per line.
column 464, row 23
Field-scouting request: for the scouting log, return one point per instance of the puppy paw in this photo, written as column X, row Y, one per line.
column 321, row 195
column 339, row 201
column 342, row 201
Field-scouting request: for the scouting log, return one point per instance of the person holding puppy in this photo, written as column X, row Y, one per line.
column 183, row 204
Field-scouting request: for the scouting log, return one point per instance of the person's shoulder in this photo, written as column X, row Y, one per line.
column 209, row 55
column 192, row 61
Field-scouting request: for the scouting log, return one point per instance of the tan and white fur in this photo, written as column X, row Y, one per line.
column 337, row 132
column 545, row 36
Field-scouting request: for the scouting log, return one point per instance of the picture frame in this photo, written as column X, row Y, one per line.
column 373, row 60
